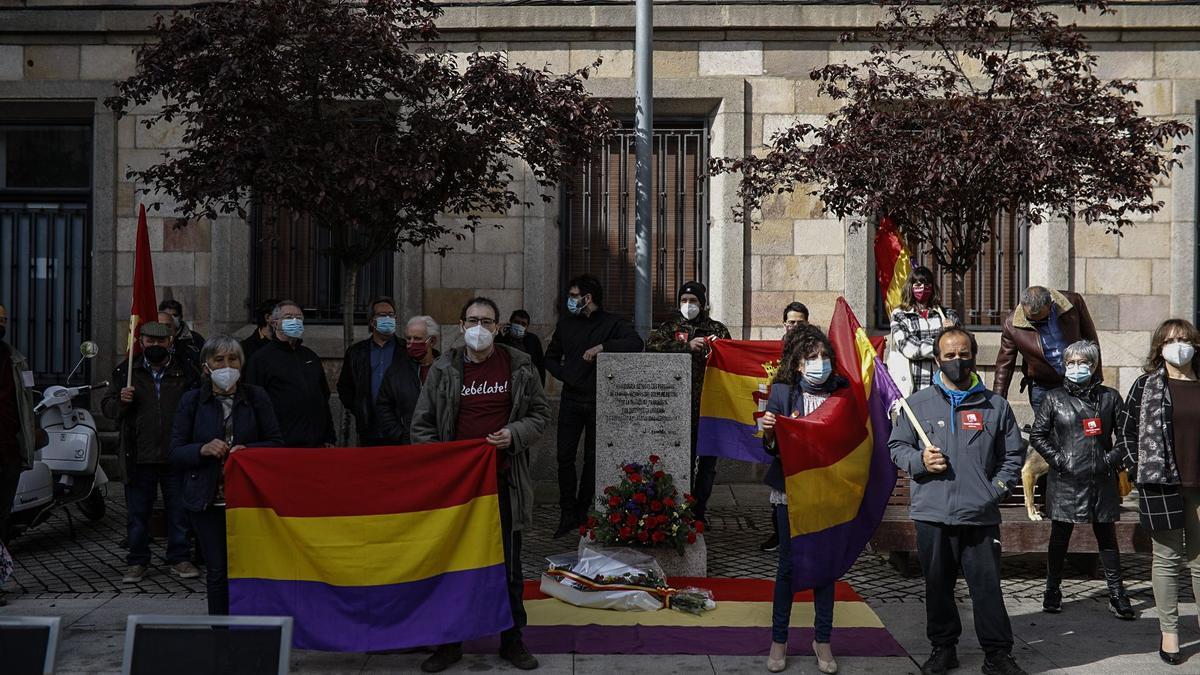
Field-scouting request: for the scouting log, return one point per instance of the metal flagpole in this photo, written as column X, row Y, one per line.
column 644, row 136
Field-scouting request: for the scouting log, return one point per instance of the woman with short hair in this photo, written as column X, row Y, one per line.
column 223, row 416
column 1074, row 433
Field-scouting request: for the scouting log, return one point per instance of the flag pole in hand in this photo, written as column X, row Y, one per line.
column 133, row 326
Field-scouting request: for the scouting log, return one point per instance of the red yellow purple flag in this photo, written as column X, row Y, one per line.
column 892, row 263
column 737, row 381
column 368, row 548
column 838, row 472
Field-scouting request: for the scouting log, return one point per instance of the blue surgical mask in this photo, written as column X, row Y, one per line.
column 293, row 328
column 574, row 305
column 385, row 325
column 1079, row 374
column 816, row 371
column 517, row 330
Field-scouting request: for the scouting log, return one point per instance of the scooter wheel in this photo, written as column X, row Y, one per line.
column 93, row 507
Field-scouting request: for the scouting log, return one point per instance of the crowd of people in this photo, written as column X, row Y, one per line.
column 184, row 403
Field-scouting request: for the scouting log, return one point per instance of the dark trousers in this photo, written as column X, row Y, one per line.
column 1106, row 541
column 1036, row 394
column 576, row 418
column 943, row 550
column 512, row 566
column 209, row 525
column 781, row 607
column 704, row 473
column 141, row 490
column 10, row 477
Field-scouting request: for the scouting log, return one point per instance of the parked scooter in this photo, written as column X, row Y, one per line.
column 67, row 470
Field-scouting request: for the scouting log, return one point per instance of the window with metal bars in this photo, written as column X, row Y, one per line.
column 598, row 209
column 289, row 261
column 993, row 287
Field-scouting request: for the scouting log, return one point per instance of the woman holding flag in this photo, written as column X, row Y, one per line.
column 915, row 324
column 805, row 380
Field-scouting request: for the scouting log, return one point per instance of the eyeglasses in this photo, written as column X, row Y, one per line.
column 380, row 315
column 476, row 321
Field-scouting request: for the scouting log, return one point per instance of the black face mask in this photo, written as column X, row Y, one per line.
column 958, row 371
column 156, row 354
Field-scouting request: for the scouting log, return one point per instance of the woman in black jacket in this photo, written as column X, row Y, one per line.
column 1074, row 433
column 219, row 418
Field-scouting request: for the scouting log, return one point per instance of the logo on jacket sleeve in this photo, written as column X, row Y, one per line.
column 971, row 420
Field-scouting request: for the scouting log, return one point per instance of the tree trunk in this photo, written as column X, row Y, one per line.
column 959, row 297
column 349, row 285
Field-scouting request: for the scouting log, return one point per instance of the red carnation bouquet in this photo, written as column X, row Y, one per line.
column 644, row 509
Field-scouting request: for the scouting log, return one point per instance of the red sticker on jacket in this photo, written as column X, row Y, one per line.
column 971, row 420
column 1092, row 427
column 681, row 336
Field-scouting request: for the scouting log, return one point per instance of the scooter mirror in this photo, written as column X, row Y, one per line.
column 89, row 349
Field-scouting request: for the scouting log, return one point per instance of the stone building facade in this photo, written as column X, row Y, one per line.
column 738, row 70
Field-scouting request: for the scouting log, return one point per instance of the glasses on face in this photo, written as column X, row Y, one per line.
column 1078, row 362
column 291, row 316
column 381, row 315
column 476, row 321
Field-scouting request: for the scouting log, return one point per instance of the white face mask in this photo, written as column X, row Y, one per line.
column 225, row 378
column 478, row 338
column 816, row 371
column 689, row 310
column 1178, row 353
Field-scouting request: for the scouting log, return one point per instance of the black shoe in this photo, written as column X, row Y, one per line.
column 1118, row 604
column 771, row 544
column 1169, row 658
column 941, row 660
column 516, row 654
column 442, row 658
column 566, row 525
column 1052, row 601
column 1001, row 664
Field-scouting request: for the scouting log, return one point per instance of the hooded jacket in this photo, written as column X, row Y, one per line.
column 1021, row 336
column 983, row 449
column 436, row 419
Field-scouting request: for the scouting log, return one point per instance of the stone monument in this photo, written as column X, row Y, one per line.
column 643, row 408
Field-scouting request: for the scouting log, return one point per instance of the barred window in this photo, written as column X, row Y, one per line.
column 289, row 261
column 598, row 211
column 993, row 288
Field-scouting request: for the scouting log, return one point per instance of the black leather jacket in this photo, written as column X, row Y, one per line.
column 1082, row 486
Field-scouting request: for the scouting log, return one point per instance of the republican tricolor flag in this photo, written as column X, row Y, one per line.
column 838, row 472
column 368, row 548
column 737, row 380
column 892, row 263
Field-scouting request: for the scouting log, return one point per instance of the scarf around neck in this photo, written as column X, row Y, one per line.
column 1156, row 463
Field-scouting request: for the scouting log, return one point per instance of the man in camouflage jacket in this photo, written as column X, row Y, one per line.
column 691, row 332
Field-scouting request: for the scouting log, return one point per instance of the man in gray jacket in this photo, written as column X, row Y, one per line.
column 489, row 391
column 973, row 459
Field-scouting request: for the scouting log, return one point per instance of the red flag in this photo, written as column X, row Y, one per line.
column 145, row 307
column 892, row 264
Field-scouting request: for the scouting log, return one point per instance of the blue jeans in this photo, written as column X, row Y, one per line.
column 781, row 612
column 141, row 490
column 1036, row 394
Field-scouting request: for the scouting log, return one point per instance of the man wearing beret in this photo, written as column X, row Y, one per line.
column 145, row 412
column 690, row 332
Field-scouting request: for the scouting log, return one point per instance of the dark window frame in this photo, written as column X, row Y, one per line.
column 667, row 252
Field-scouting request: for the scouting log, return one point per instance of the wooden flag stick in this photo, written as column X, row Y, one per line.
column 133, row 323
column 912, row 417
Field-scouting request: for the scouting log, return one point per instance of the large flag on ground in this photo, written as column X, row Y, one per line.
column 836, row 464
column 892, row 263
column 368, row 548
column 144, row 307
column 736, row 384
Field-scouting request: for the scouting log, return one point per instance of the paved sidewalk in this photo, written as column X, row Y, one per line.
column 79, row 580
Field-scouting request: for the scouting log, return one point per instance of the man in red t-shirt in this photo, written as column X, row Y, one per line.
column 491, row 391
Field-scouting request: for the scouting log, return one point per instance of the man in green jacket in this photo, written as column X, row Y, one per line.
column 691, row 332
column 489, row 391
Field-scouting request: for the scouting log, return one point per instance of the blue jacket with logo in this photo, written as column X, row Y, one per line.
column 984, row 453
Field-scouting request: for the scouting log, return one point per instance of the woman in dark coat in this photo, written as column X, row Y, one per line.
column 219, row 418
column 1074, row 433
